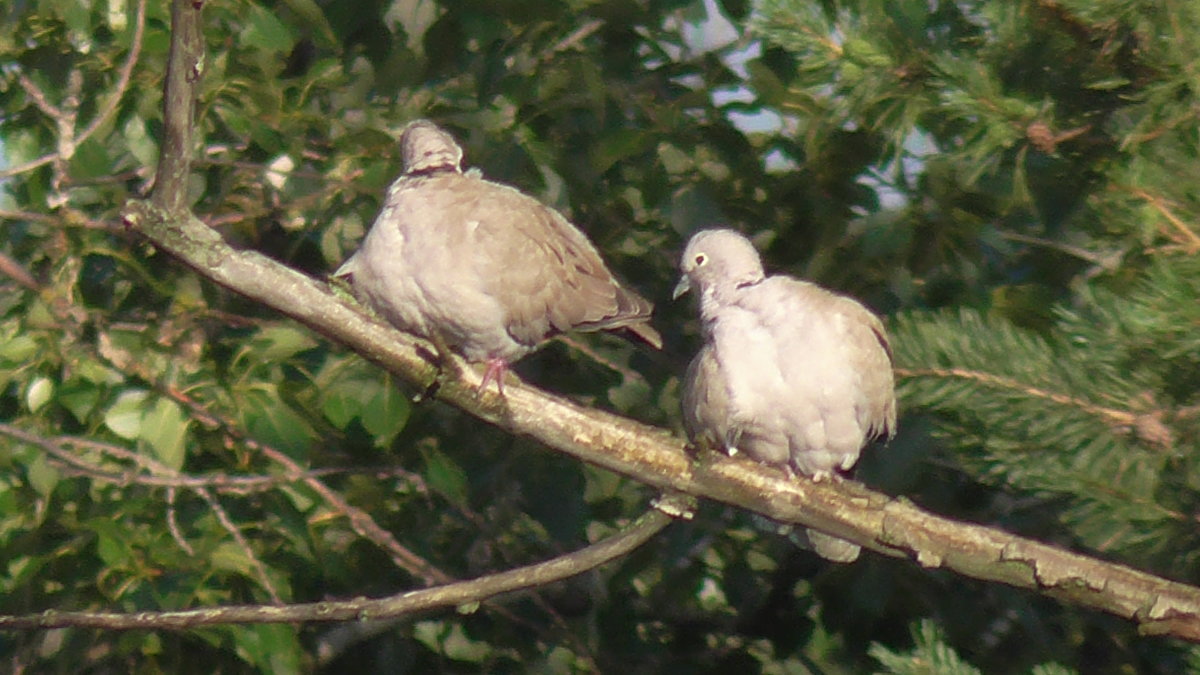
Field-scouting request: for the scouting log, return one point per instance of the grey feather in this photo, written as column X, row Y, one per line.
column 480, row 267
column 790, row 374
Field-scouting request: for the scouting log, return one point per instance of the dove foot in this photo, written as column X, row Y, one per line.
column 494, row 372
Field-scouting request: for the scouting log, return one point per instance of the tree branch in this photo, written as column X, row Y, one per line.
column 185, row 65
column 893, row 527
column 459, row 594
column 360, row 521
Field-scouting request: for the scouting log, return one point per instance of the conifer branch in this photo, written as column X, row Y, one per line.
column 1121, row 420
column 1183, row 235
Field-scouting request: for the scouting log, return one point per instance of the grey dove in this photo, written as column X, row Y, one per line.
column 481, row 268
column 789, row 373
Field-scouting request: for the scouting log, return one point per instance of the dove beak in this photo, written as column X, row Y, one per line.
column 684, row 285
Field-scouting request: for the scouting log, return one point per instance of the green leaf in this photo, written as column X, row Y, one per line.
column 18, row 572
column 692, row 208
column 272, row 421
column 341, row 407
column 382, row 407
column 165, row 428
column 124, row 417
column 272, row 648
column 265, row 31
column 281, row 342
column 314, row 16
column 675, row 160
column 766, row 83
column 95, row 372
column 445, row 476
column 385, row 415
column 91, row 160
column 619, row 145
column 42, row 476
column 112, row 544
column 78, row 17
column 80, row 398
column 17, row 349
column 450, row 641
column 39, row 393
column 139, row 142
column 228, row 556
column 1109, row 83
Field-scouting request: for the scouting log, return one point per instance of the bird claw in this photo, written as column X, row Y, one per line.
column 733, row 436
column 494, row 372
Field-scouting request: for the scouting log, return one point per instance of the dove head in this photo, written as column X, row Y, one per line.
column 427, row 148
column 718, row 260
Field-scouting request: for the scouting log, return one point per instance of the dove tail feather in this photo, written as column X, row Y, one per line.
column 646, row 333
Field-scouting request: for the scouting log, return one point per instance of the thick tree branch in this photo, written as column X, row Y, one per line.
column 185, row 65
column 893, row 527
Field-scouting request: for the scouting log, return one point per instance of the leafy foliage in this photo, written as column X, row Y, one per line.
column 1008, row 179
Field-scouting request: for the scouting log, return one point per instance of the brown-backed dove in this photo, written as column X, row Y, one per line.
column 790, row 373
column 479, row 267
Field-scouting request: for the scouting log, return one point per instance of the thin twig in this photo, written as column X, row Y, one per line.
column 123, row 78
column 173, row 524
column 1146, row 425
column 362, row 523
column 106, row 110
column 223, row 518
column 13, row 270
column 38, row 96
column 578, row 35
column 582, row 347
column 1105, row 261
column 455, row 594
column 158, row 469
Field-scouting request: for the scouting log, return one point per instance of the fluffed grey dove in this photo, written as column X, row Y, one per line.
column 790, row 373
column 479, row 267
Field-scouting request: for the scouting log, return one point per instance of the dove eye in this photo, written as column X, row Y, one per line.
column 700, row 259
